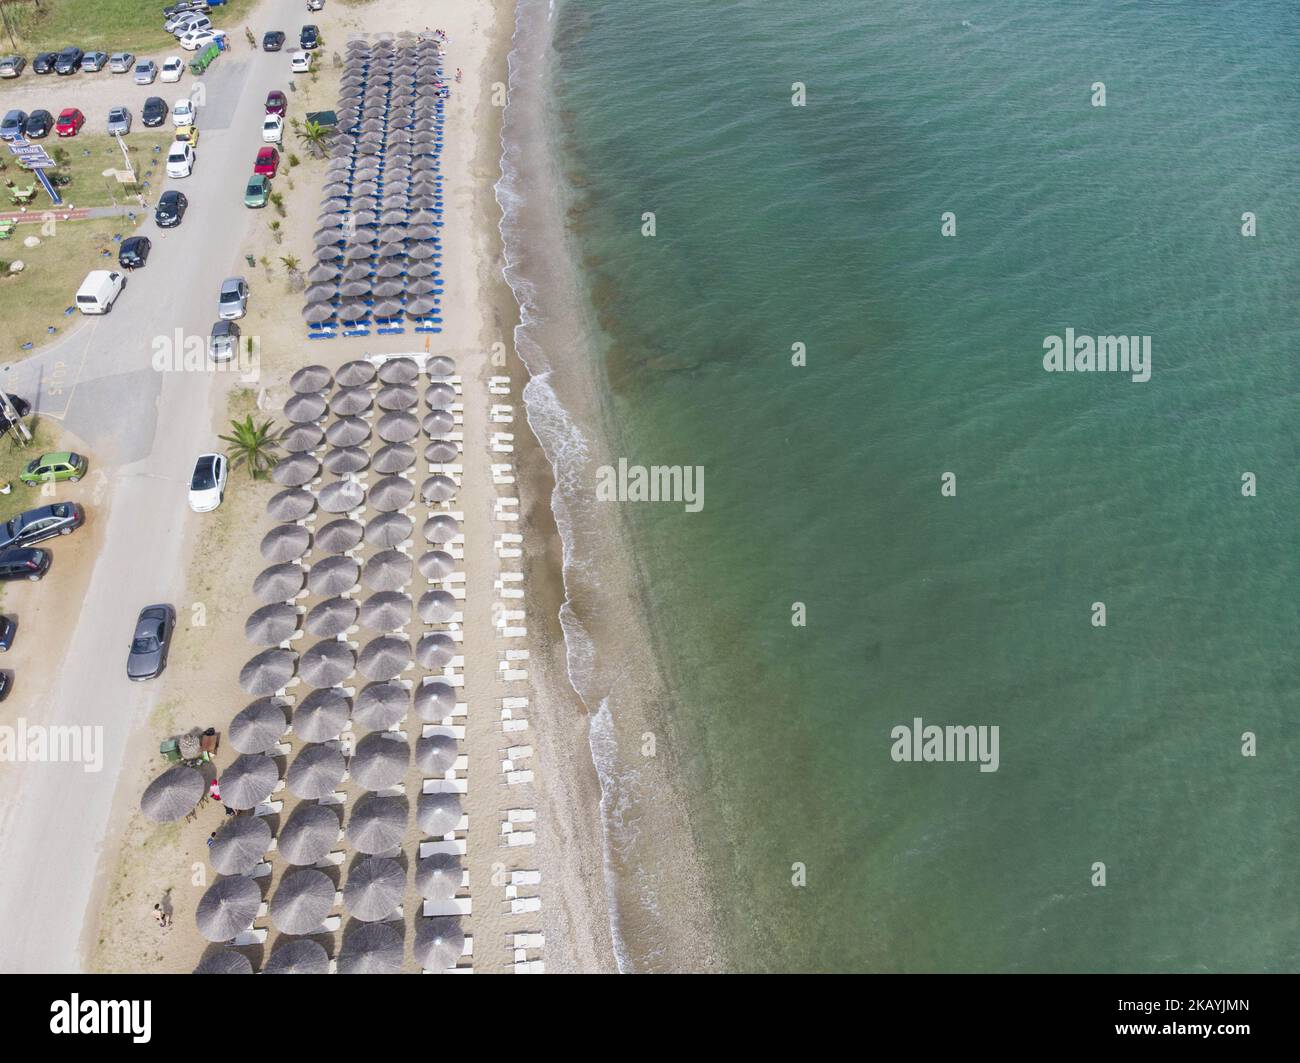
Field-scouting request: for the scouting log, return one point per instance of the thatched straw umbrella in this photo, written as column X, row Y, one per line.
column 315, row 772
column 224, row 961
column 228, row 908
column 438, row 488
column 327, row 663
column 290, row 505
column 372, row 948
column 389, row 529
column 385, row 658
column 377, row 823
column 317, row 313
column 438, row 814
column 374, row 889
column 435, row 754
column 302, row 408
column 380, row 760
column 339, row 535
column 248, row 781
column 331, row 617
column 333, row 575
column 441, row 451
column 287, row 542
column 300, row 956
column 297, row 469
column 391, row 494
column 439, row 422
column 381, row 705
column 398, row 427
column 385, row 612
column 439, row 943
column 268, row 672
column 342, row 496
column 435, row 650
column 309, row 835
column 396, row 396
column 258, row 726
column 356, row 373
column 393, row 458
column 173, row 794
column 434, row 701
column 347, row 432
column 271, row 624
column 440, row 528
column 344, row 460
column 439, row 876
column 388, row 570
column 302, row 438
column 240, row 845
column 278, row 583
column 350, row 401
column 436, row 564
column 310, row 378
column 321, row 716
column 302, row 901
column 438, row 607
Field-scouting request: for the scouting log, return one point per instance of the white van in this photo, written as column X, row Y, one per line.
column 99, row 291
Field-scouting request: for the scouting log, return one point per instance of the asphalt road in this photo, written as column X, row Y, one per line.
column 144, row 428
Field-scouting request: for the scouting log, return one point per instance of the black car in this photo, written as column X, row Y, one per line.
column 6, row 681
column 309, row 38
column 45, row 522
column 8, row 629
column 155, row 111
column 24, row 563
column 134, row 252
column 44, row 62
column 171, row 209
column 153, row 635
column 69, row 60
column 273, row 41
column 21, row 406
column 39, row 124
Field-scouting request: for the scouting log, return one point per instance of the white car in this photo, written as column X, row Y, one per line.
column 208, row 484
column 273, row 129
column 300, row 63
column 172, row 69
column 180, row 159
column 197, row 39
column 182, row 113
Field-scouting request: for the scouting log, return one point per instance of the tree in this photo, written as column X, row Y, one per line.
column 315, row 136
column 253, row 446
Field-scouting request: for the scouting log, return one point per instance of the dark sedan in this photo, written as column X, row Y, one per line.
column 134, row 252
column 273, row 41
column 154, row 111
column 25, row 563
column 309, row 38
column 171, row 209
column 44, row 62
column 153, row 635
column 276, row 102
column 39, row 124
column 69, row 60
column 36, row 525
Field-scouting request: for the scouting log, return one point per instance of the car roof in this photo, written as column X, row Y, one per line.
column 55, row 456
column 134, row 241
column 69, row 112
column 225, row 328
column 170, row 196
column 231, row 282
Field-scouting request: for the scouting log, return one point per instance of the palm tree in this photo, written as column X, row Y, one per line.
column 252, row 445
column 315, row 136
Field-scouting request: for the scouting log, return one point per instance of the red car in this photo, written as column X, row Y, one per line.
column 267, row 161
column 276, row 103
column 70, row 121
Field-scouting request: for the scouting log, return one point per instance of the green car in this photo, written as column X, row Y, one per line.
column 258, row 190
column 51, row 468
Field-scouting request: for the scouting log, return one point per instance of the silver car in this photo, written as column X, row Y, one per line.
column 120, row 62
column 119, row 122
column 233, row 300
column 145, row 71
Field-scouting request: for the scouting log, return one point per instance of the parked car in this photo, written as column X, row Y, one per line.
column 267, row 161
column 134, row 252
column 273, row 129
column 196, row 39
column 24, row 563
column 12, row 126
column 70, row 122
column 315, row 5
column 147, row 656
column 119, row 122
column 120, row 62
column 182, row 112
column 170, row 210
column 44, row 522
column 273, row 41
column 223, row 343
column 8, row 629
column 257, row 191
column 309, row 37
column 180, row 159
column 21, row 407
column 11, row 66
column 154, row 112
column 99, row 291
column 69, row 60
column 93, row 62
column 172, row 69
column 276, row 102
column 189, row 134
column 186, row 21
column 145, row 72
column 54, row 468
column 300, row 63
column 233, row 300
column 44, row 62
column 39, row 124
column 208, row 484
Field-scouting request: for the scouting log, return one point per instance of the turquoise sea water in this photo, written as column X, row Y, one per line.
column 820, row 225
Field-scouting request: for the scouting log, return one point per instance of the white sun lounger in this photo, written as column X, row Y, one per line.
column 452, row 906
column 268, row 808
column 455, row 847
column 251, row 936
column 446, row 786
column 524, row 905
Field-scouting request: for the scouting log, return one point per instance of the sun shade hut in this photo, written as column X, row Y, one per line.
column 372, row 948
column 439, row 943
column 309, row 835
column 278, row 583
column 268, row 672
column 315, row 772
column 381, row 705
column 374, row 889
column 240, row 845
column 248, row 781
column 271, row 624
column 257, row 727
column 331, row 617
column 173, row 794
column 377, row 824
column 380, row 760
column 224, row 961
column 321, row 716
column 438, row 814
column 228, row 908
column 301, row 956
column 288, row 542
column 302, row 901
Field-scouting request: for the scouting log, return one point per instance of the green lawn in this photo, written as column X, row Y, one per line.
column 108, row 25
column 12, row 459
column 88, row 155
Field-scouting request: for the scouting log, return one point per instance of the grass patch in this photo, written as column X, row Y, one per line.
column 35, row 299
column 13, row 457
column 108, row 25
column 84, row 159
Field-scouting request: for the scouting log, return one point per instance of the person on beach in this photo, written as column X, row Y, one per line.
column 212, row 839
column 161, row 918
column 458, row 73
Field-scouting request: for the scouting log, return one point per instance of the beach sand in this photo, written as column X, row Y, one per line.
column 143, row 862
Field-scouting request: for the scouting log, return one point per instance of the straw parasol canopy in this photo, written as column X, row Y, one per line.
column 302, row 901
column 339, row 535
column 438, row 488
column 374, row 889
column 228, row 907
column 388, row 570
column 372, row 948
column 309, row 835
column 344, row 460
column 441, row 528
column 437, row 607
column 300, row 956
column 420, row 305
column 435, row 650
column 310, row 378
column 331, row 617
column 297, row 469
column 385, row 612
column 353, row 290
column 440, row 366
column 302, row 408
column 347, row 432
column 435, row 701
column 439, row 422
column 390, row 268
column 353, row 310
column 387, row 289
column 388, row 308
column 436, row 754
column 391, row 493
column 268, row 672
column 333, row 575
column 224, row 961
column 385, row 658
column 272, row 624
column 321, row 716
column 323, row 273
column 422, row 250
column 286, row 542
column 441, row 451
column 436, row 564
column 422, row 232
column 438, row 876
column 399, row 371
column 438, row 814
column 173, row 794
column 398, row 427
column 290, row 505
column 439, row 943
column 315, row 313
column 320, row 293
column 327, row 663
column 248, row 781
column 439, row 396
column 421, row 269
column 342, row 496
column 315, row 771
column 302, row 437
column 380, row 705
column 389, row 529
column 257, row 727
column 396, row 396
column 393, row 458
column 358, row 272
column 240, row 845
column 380, row 760
column 278, row 583
column 377, row 823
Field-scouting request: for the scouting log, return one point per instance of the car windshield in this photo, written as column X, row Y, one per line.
column 231, row 295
